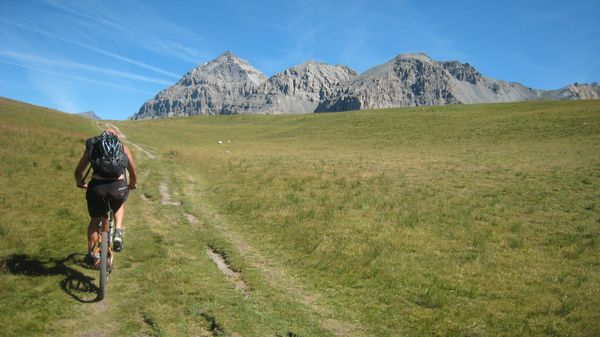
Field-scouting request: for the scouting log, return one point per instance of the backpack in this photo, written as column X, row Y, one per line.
column 107, row 156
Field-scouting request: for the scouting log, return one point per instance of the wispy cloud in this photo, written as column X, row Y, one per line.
column 564, row 13
column 114, row 55
column 29, row 58
column 58, row 92
column 144, row 29
column 75, row 77
column 84, row 15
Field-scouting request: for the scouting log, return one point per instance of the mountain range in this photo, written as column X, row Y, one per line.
column 89, row 114
column 230, row 85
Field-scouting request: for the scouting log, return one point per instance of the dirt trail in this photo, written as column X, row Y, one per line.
column 278, row 278
column 165, row 196
column 230, row 274
column 94, row 328
column 191, row 219
column 114, row 127
column 142, row 150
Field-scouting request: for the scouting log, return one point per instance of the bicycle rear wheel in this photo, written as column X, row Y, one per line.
column 103, row 265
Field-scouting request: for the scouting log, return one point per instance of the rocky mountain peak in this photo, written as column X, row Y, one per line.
column 413, row 56
column 405, row 80
column 228, row 54
column 227, row 68
column 89, row 114
column 300, row 88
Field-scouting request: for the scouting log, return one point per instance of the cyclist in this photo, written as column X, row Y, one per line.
column 104, row 190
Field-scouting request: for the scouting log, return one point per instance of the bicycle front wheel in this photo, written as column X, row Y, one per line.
column 103, row 265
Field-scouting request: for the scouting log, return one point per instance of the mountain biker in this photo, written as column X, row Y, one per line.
column 102, row 190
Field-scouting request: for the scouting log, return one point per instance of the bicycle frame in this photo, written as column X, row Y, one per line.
column 105, row 225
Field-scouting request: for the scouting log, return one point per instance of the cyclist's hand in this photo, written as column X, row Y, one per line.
column 82, row 186
column 132, row 186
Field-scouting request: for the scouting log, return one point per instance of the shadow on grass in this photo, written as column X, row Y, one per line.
column 75, row 283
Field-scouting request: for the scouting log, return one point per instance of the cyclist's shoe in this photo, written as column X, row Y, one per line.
column 89, row 259
column 118, row 241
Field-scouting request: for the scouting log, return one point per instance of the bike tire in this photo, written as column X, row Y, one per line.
column 103, row 265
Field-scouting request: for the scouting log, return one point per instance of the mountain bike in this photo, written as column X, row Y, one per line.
column 103, row 247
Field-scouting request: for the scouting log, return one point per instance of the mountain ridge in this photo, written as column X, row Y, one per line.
column 230, row 85
column 89, row 114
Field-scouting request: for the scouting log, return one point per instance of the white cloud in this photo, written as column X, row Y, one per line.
column 95, row 49
column 142, row 28
column 37, row 60
column 74, row 77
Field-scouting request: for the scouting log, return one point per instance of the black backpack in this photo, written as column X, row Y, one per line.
column 107, row 156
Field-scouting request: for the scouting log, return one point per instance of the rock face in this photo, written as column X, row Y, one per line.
column 229, row 85
column 226, row 85
column 300, row 89
column 415, row 79
column 406, row 80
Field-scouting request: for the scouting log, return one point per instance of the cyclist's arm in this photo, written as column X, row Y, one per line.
column 131, row 168
column 83, row 163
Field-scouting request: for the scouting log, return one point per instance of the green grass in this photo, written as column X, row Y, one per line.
column 474, row 220
column 38, row 148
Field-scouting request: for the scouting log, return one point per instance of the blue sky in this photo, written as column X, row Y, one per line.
column 111, row 56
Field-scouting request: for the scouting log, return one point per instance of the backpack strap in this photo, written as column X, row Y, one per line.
column 87, row 172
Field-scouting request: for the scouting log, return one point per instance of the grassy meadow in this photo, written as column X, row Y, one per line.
column 465, row 220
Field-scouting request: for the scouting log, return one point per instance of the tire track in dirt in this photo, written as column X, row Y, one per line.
column 191, row 218
column 233, row 276
column 218, row 258
column 141, row 149
column 215, row 255
column 114, row 127
column 165, row 195
column 279, row 279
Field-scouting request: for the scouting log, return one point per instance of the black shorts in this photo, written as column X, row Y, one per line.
column 101, row 193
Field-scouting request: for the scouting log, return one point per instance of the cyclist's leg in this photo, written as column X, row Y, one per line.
column 118, row 193
column 119, row 214
column 97, row 208
column 93, row 232
column 118, row 238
